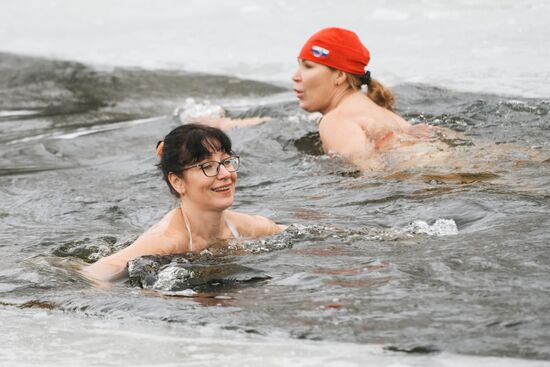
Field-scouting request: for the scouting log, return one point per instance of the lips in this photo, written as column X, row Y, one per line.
column 299, row 93
column 223, row 188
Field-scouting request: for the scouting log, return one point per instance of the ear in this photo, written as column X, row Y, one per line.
column 177, row 183
column 340, row 77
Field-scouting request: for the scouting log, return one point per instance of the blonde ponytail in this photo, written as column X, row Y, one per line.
column 379, row 94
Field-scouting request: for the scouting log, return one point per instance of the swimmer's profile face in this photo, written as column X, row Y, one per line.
column 314, row 85
column 216, row 192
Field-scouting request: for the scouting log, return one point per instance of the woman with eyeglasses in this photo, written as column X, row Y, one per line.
column 356, row 125
column 200, row 169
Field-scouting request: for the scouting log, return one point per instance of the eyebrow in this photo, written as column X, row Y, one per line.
column 206, row 160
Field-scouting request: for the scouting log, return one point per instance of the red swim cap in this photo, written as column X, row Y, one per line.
column 338, row 48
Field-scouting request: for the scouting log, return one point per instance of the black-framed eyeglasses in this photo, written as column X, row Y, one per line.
column 212, row 168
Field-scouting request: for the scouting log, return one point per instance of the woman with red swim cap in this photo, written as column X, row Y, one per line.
column 358, row 126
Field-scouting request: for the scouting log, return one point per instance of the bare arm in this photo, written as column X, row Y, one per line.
column 347, row 139
column 226, row 123
column 113, row 267
column 255, row 225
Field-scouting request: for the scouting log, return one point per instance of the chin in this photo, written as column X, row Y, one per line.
column 307, row 108
column 223, row 204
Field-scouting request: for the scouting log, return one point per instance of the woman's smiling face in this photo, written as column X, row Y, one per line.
column 211, row 193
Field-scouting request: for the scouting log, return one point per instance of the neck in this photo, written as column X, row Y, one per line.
column 339, row 96
column 208, row 225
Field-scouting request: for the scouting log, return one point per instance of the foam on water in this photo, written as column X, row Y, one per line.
column 441, row 227
column 192, row 109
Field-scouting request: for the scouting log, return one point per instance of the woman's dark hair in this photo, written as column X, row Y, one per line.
column 189, row 144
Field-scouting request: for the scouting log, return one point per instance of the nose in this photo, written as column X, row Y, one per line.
column 222, row 172
column 296, row 76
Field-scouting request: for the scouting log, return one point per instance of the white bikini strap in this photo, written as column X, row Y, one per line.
column 232, row 228
column 188, row 226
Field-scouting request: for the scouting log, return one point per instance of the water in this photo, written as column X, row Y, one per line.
column 400, row 268
column 494, row 46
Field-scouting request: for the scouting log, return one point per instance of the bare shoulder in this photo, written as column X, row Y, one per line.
column 166, row 236
column 332, row 119
column 171, row 223
column 341, row 133
column 342, row 120
column 253, row 225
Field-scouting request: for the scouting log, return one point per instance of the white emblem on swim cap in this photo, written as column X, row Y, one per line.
column 318, row 51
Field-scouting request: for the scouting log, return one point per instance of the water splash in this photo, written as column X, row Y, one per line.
column 441, row 227
column 177, row 274
column 192, row 109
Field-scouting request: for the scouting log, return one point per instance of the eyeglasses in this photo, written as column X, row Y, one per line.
column 212, row 168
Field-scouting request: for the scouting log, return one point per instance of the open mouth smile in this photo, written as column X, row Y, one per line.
column 222, row 188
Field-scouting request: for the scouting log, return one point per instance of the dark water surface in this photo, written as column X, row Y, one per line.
column 405, row 259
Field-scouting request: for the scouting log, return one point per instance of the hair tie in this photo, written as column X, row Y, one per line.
column 365, row 79
column 160, row 147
